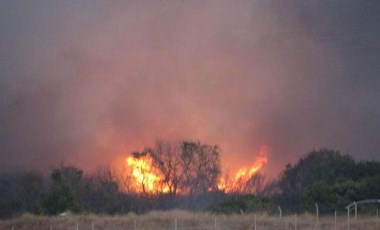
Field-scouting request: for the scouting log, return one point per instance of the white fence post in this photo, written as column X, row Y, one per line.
column 255, row 222
column 348, row 218
column 280, row 211
column 215, row 224
column 335, row 221
column 77, row 224
column 356, row 211
column 317, row 211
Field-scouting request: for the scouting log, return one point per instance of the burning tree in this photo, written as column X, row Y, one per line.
column 167, row 159
column 189, row 167
column 148, row 179
column 201, row 167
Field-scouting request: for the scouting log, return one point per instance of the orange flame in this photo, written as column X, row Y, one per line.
column 243, row 174
column 146, row 178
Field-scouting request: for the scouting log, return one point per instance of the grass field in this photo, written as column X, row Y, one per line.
column 179, row 220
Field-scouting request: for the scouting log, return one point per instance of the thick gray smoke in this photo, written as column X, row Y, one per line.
column 87, row 82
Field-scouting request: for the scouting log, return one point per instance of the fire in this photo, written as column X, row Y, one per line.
column 242, row 176
column 146, row 178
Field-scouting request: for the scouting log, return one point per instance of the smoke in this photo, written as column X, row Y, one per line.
column 87, row 83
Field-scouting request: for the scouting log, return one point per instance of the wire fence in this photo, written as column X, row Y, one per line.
column 222, row 222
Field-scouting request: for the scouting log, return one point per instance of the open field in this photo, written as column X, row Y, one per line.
column 172, row 220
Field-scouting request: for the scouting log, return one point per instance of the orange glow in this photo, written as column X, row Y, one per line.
column 242, row 176
column 146, row 178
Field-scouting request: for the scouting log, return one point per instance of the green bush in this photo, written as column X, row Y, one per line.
column 245, row 204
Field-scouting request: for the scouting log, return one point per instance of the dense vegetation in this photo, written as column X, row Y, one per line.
column 324, row 176
column 328, row 178
column 245, row 203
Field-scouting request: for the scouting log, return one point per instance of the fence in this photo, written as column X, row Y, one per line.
column 180, row 220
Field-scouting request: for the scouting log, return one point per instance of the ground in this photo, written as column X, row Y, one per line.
column 178, row 219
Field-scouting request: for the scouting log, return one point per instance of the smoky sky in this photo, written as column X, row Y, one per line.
column 87, row 82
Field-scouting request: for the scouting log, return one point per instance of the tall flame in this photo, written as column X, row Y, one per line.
column 243, row 175
column 146, row 178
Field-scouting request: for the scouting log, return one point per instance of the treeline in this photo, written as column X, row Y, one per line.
column 69, row 189
column 328, row 178
column 190, row 173
column 190, row 167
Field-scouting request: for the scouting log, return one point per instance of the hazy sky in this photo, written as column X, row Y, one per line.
column 87, row 82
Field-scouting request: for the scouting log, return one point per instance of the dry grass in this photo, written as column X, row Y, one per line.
column 160, row 220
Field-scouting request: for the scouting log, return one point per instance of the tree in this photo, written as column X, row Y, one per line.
column 367, row 169
column 256, row 184
column 121, row 174
column 167, row 159
column 320, row 193
column 146, row 174
column 10, row 202
column 100, row 193
column 201, row 167
column 327, row 166
column 191, row 167
column 62, row 194
column 32, row 187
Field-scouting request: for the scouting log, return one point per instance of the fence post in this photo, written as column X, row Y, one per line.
column 348, row 218
column 280, row 211
column 215, row 224
column 377, row 217
column 92, row 225
column 317, row 211
column 335, row 221
column 134, row 224
column 356, row 211
column 77, row 224
column 255, row 222
column 295, row 221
